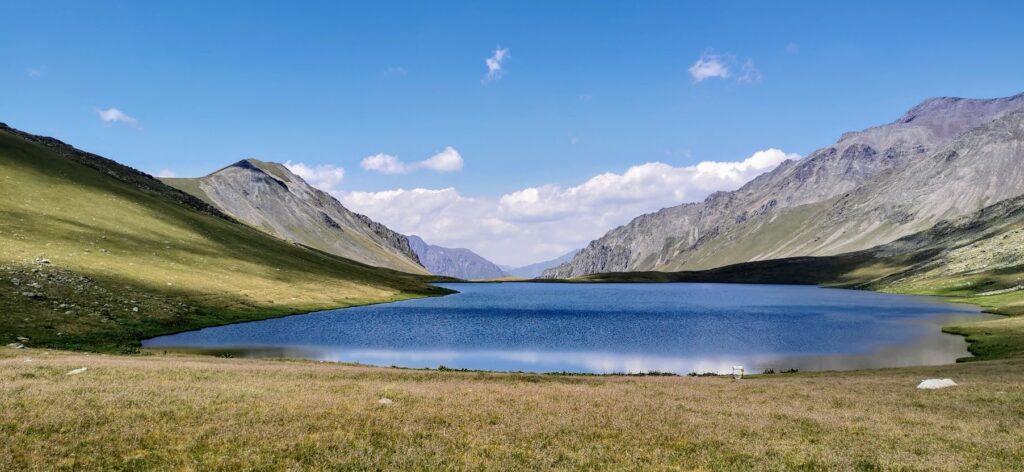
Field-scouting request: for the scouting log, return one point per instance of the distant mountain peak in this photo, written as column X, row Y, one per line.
column 454, row 262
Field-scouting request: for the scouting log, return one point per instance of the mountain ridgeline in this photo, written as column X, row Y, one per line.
column 943, row 159
column 270, row 197
column 457, row 262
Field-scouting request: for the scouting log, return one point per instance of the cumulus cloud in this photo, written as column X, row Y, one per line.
column 166, row 173
column 448, row 160
column 385, row 164
column 113, row 115
column 709, row 66
column 325, row 177
column 541, row 222
column 494, row 64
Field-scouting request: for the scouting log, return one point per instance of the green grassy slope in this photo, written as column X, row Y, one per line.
column 96, row 255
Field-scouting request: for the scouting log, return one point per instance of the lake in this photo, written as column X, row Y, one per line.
column 610, row 328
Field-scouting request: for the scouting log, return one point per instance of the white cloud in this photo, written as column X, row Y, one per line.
column 721, row 66
column 494, row 64
column 34, row 72
column 385, row 164
column 113, row 115
column 166, row 173
column 709, row 66
column 538, row 223
column 448, row 160
column 792, row 48
column 325, row 177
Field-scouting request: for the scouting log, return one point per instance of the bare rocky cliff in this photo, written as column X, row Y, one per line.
column 268, row 196
column 944, row 158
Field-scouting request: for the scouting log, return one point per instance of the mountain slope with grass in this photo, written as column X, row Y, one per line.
column 268, row 196
column 945, row 158
column 96, row 255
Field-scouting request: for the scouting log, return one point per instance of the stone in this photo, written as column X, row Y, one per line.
column 385, row 401
column 16, row 346
column 22, row 339
column 77, row 371
column 935, row 384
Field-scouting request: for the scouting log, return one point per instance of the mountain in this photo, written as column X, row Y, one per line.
column 461, row 263
column 535, row 270
column 97, row 255
column 944, row 158
column 269, row 197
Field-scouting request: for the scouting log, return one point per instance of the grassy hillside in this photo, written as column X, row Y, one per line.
column 175, row 412
column 95, row 255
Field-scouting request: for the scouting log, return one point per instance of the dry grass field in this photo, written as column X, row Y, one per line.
column 180, row 412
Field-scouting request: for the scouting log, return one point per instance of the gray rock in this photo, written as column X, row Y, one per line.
column 16, row 346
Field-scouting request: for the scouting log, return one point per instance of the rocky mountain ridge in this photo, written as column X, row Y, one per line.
column 454, row 262
column 270, row 197
column 869, row 188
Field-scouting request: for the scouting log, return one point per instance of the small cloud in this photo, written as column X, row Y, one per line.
column 494, row 64
column 325, row 177
column 586, row 97
column 792, row 48
column 34, row 72
column 395, row 71
column 448, row 160
column 749, row 74
column 721, row 66
column 166, row 173
column 573, row 140
column 385, row 164
column 113, row 115
column 709, row 66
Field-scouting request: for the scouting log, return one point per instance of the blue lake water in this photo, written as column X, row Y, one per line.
column 605, row 328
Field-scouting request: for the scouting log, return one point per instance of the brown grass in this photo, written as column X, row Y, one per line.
column 189, row 412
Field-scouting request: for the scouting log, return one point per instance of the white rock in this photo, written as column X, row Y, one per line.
column 77, row 371
column 16, row 346
column 933, row 384
column 385, row 401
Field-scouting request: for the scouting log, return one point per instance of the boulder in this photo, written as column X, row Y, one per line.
column 935, row 384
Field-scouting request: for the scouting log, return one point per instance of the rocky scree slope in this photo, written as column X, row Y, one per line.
column 944, row 158
column 271, row 198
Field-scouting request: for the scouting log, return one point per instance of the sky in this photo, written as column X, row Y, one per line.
column 520, row 130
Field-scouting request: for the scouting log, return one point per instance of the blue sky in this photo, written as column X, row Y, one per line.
column 585, row 88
